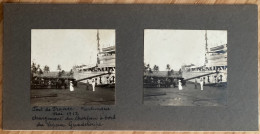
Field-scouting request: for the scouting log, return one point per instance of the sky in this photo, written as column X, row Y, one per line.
column 179, row 47
column 68, row 47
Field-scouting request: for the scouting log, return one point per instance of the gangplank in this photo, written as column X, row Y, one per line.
column 92, row 77
column 201, row 75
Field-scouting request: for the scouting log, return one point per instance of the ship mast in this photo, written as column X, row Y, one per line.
column 98, row 44
column 206, row 38
column 98, row 48
column 206, row 48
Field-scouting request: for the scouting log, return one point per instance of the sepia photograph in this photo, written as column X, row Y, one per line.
column 72, row 67
column 185, row 67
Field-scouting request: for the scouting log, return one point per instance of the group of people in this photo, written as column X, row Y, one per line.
column 93, row 84
column 201, row 83
column 65, row 83
column 169, row 82
column 56, row 83
column 195, row 83
column 164, row 82
column 109, row 79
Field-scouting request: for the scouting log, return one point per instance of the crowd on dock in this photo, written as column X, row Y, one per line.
column 164, row 82
column 51, row 82
column 169, row 82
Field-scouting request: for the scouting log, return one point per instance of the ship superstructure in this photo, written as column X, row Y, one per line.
column 214, row 69
column 103, row 72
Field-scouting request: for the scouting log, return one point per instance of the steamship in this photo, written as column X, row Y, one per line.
column 214, row 70
column 103, row 73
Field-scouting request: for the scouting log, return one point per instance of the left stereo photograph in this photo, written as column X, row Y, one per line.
column 72, row 67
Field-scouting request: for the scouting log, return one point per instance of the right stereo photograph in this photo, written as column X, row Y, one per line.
column 185, row 67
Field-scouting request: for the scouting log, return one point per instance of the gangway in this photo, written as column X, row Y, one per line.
column 201, row 75
column 92, row 77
